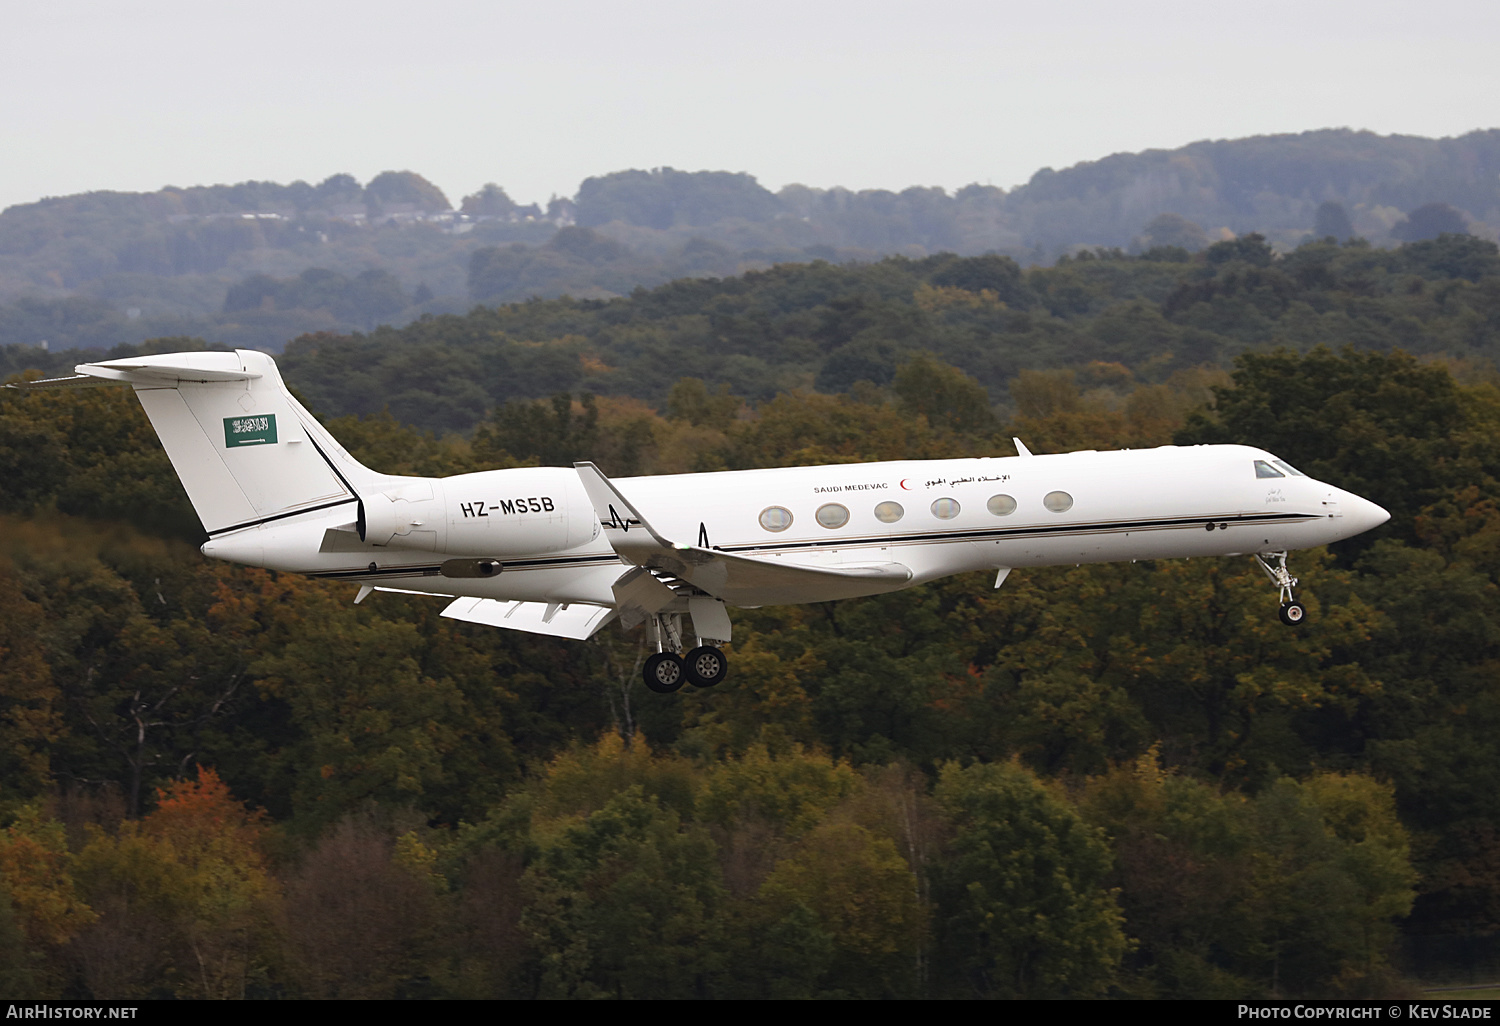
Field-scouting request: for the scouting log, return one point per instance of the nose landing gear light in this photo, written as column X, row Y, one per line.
column 1292, row 612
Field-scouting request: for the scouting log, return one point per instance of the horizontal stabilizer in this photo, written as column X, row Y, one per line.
column 167, row 370
column 172, row 369
column 69, row 381
column 738, row 580
column 576, row 621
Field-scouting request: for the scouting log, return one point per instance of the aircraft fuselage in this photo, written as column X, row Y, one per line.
column 937, row 517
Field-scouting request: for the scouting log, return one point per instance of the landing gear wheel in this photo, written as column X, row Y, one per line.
column 664, row 672
column 706, row 666
column 1292, row 612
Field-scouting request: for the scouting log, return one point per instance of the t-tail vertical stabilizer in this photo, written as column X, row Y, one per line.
column 245, row 449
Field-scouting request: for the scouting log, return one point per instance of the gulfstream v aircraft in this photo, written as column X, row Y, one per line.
column 563, row 551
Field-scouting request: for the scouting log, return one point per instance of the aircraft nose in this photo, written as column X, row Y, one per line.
column 1361, row 515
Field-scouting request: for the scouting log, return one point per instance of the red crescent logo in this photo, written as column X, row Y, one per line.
column 903, row 484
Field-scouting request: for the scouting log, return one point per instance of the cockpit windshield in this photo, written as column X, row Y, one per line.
column 1284, row 465
column 1264, row 469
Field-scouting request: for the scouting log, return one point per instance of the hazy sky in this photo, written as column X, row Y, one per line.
column 137, row 94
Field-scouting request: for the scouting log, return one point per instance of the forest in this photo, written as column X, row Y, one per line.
column 257, row 263
column 1100, row 781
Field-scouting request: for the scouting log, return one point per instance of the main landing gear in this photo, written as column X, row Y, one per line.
column 1293, row 613
column 666, row 671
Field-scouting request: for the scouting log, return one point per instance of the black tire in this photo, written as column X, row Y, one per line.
column 664, row 672
column 706, row 666
column 1293, row 614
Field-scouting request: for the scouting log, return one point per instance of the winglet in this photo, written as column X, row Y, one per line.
column 1021, row 449
column 614, row 511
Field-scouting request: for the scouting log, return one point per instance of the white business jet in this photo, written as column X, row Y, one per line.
column 563, row 551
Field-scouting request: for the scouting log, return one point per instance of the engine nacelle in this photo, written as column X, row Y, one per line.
column 408, row 516
column 496, row 513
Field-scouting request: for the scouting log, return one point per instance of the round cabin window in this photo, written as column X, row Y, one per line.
column 1001, row 505
column 889, row 512
column 832, row 515
column 1058, row 502
column 775, row 518
column 945, row 509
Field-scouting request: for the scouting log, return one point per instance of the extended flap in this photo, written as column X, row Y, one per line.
column 576, row 621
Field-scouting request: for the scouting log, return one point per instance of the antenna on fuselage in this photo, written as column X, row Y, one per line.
column 1021, row 449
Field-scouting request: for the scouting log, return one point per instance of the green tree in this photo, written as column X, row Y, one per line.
column 690, row 400
column 490, row 201
column 625, row 903
column 1173, row 230
column 37, row 882
column 1430, row 221
column 1376, row 853
column 583, row 779
column 946, row 396
column 90, row 452
column 1329, row 872
column 30, row 713
column 550, row 433
column 759, row 804
column 390, row 188
column 140, row 683
column 1249, row 249
column 1023, row 905
column 1295, row 891
column 383, row 443
column 381, row 710
column 1332, row 221
column 864, row 899
column 18, row 960
column 1182, row 869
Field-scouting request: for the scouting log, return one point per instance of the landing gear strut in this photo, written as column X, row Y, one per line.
column 665, row 671
column 1292, row 612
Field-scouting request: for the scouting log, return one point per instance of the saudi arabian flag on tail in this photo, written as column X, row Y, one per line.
column 260, row 430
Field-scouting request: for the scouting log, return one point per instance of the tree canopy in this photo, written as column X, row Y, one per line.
column 1122, row 780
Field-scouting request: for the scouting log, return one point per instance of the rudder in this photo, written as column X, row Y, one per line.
column 245, row 450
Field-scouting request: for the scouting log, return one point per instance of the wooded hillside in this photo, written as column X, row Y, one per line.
column 260, row 262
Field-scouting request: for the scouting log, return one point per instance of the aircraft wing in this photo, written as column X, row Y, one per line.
column 577, row 621
column 737, row 579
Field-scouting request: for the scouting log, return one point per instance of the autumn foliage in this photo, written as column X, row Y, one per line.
column 1111, row 780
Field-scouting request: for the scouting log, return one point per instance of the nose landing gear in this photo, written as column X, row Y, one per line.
column 1292, row 612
